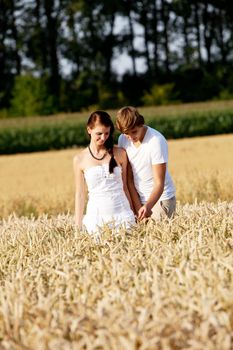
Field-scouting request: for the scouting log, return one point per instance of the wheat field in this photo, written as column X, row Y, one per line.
column 160, row 286
column 43, row 182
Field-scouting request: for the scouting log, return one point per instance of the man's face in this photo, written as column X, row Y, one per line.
column 136, row 134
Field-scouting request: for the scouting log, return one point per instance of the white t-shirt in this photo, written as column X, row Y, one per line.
column 153, row 150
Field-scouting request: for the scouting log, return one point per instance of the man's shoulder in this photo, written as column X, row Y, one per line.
column 122, row 137
column 122, row 140
column 155, row 135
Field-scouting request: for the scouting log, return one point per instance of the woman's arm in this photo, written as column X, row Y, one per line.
column 123, row 160
column 80, row 196
column 132, row 189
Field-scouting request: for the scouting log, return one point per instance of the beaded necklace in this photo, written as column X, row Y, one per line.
column 95, row 156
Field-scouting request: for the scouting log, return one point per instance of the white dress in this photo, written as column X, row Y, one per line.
column 107, row 202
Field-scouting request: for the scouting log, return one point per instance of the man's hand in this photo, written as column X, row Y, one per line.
column 159, row 171
column 144, row 212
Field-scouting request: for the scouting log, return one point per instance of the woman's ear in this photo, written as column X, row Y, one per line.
column 88, row 130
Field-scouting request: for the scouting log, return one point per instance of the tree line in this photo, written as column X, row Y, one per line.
column 186, row 48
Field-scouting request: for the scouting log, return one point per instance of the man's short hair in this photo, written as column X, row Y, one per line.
column 128, row 118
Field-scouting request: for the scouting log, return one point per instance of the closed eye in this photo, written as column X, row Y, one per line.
column 101, row 133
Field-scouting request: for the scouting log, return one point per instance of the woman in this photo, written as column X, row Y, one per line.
column 103, row 168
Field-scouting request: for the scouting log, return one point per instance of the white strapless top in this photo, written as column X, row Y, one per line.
column 99, row 180
column 107, row 202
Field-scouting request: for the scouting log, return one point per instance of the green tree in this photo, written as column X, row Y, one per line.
column 30, row 97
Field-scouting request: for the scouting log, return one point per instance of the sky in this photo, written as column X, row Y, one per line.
column 121, row 62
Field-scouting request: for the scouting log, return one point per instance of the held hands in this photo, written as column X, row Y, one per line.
column 144, row 212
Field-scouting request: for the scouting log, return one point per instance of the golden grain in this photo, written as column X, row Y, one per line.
column 164, row 285
column 43, row 182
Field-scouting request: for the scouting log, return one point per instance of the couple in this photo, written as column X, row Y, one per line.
column 122, row 182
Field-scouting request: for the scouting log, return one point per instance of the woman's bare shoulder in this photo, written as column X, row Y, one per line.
column 119, row 151
column 120, row 154
column 79, row 158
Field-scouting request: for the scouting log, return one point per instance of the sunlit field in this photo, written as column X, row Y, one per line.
column 43, row 182
column 161, row 286
column 147, row 112
column 165, row 285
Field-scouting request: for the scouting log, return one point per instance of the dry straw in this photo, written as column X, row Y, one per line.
column 163, row 285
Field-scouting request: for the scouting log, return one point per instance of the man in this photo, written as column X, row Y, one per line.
column 147, row 151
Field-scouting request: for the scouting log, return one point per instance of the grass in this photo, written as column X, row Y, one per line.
column 147, row 112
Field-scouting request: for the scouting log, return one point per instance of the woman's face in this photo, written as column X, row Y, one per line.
column 99, row 134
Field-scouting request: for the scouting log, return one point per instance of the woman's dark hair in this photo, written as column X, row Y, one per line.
column 104, row 118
